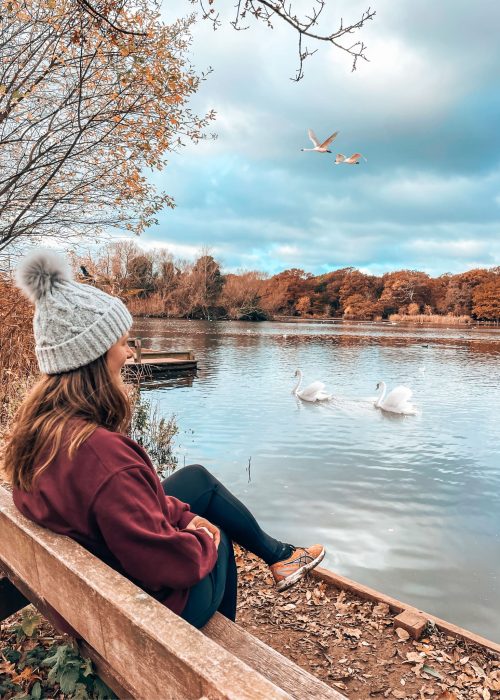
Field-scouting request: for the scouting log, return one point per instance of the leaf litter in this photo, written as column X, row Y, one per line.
column 352, row 645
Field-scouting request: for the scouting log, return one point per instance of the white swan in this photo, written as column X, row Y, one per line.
column 397, row 401
column 352, row 160
column 319, row 147
column 313, row 392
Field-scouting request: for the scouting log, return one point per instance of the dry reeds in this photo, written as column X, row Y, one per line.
column 437, row 319
column 18, row 366
column 154, row 305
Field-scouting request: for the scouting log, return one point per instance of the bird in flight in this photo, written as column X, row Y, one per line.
column 319, row 147
column 352, row 160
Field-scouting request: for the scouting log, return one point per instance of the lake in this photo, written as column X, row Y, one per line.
column 409, row 505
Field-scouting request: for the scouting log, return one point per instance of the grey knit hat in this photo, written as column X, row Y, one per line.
column 74, row 323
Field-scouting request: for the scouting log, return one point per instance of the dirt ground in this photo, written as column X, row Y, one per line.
column 351, row 644
column 348, row 643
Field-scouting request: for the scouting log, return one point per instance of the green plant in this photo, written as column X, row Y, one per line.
column 75, row 675
column 154, row 433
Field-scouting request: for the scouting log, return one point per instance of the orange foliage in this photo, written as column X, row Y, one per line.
column 94, row 102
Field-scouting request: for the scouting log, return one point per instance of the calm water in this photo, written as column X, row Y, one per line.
column 408, row 505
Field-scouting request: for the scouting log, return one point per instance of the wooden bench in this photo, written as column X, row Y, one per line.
column 140, row 648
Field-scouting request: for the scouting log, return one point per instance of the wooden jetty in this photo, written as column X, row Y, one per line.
column 156, row 361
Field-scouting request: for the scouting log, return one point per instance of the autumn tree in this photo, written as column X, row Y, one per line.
column 282, row 291
column 141, row 275
column 204, row 285
column 303, row 305
column 486, row 300
column 359, row 307
column 325, row 298
column 402, row 288
column 459, row 293
column 359, row 293
column 91, row 95
column 241, row 296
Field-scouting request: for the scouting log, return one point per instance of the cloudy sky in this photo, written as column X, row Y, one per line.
column 425, row 112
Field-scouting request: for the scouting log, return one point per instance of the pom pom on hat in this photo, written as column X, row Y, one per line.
column 40, row 271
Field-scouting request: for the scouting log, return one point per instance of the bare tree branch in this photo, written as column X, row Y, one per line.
column 268, row 10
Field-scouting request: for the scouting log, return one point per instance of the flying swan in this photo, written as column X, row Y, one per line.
column 319, row 147
column 313, row 392
column 352, row 160
column 397, row 401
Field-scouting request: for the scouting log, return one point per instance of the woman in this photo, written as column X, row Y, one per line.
column 74, row 470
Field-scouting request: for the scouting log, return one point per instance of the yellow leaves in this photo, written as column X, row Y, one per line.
column 6, row 668
column 26, row 675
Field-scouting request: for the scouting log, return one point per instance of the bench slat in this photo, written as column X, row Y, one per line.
column 159, row 654
column 300, row 684
column 104, row 671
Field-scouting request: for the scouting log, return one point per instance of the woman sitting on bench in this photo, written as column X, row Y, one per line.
column 74, row 470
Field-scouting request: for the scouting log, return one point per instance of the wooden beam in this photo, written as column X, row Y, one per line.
column 412, row 622
column 300, row 684
column 117, row 684
column 366, row 593
column 138, row 350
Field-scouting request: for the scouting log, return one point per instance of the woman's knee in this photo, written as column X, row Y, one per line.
column 198, row 473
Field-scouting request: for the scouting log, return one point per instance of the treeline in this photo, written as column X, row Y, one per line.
column 154, row 283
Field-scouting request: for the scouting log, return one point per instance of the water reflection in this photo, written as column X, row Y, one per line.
column 409, row 505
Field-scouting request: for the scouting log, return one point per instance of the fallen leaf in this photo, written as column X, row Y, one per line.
column 381, row 610
column 352, row 632
column 402, row 633
column 431, row 672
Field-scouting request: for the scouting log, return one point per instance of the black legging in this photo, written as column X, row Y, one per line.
column 208, row 498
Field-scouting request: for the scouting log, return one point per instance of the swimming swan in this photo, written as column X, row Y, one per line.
column 397, row 401
column 313, row 392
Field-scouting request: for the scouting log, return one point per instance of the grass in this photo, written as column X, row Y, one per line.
column 436, row 319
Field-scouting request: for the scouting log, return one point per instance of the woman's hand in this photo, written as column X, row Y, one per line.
column 199, row 523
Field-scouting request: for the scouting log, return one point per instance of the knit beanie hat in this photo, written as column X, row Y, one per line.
column 74, row 323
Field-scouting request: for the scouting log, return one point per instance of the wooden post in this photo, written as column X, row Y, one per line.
column 138, row 350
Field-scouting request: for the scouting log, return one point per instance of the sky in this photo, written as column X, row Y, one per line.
column 425, row 112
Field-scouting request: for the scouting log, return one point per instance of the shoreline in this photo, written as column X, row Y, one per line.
column 468, row 325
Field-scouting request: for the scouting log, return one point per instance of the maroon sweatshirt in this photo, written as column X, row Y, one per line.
column 110, row 500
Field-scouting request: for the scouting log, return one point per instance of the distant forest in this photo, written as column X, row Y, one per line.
column 154, row 283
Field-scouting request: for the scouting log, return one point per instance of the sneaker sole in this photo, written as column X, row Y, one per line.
column 300, row 573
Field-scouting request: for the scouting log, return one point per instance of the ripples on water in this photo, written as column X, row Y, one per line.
column 408, row 505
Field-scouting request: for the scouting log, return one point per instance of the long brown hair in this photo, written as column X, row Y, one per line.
column 80, row 400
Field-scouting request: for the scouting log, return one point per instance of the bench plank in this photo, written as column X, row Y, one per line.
column 104, row 671
column 300, row 684
column 120, row 622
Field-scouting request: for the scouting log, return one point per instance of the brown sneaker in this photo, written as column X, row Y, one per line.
column 287, row 572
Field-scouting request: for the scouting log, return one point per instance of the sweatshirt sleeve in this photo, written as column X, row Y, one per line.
column 181, row 515
column 150, row 548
